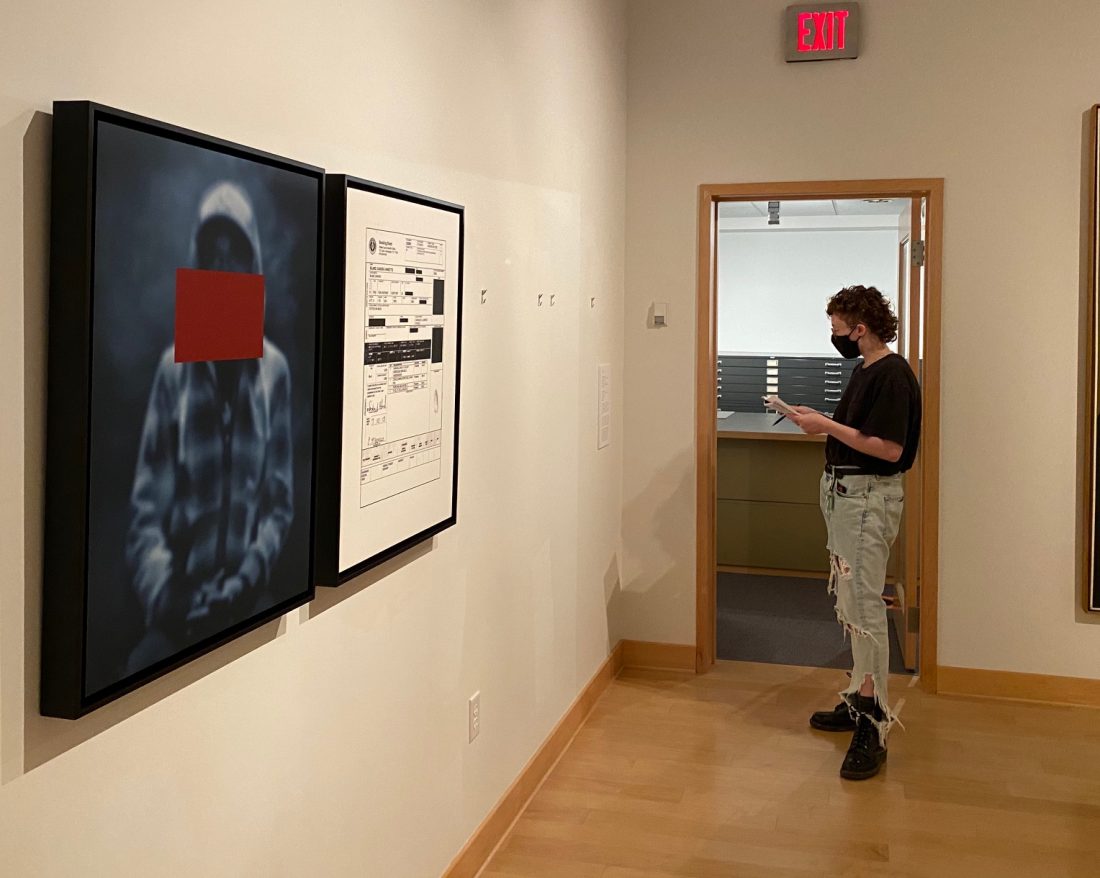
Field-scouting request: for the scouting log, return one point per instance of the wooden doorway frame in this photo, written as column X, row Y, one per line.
column 706, row 405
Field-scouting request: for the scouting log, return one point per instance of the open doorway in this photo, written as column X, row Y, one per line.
column 777, row 262
column 770, row 255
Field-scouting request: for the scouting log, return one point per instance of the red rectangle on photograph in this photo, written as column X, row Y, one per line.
column 219, row 315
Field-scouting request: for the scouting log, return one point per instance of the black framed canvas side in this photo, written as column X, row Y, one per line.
column 1092, row 536
column 66, row 498
column 330, row 572
column 330, row 397
column 106, row 325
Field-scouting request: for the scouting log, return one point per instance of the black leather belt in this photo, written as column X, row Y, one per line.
column 840, row 471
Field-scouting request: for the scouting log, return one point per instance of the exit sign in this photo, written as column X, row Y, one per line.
column 822, row 31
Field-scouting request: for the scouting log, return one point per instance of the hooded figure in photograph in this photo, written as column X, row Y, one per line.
column 213, row 487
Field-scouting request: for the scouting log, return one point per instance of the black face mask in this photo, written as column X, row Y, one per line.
column 848, row 349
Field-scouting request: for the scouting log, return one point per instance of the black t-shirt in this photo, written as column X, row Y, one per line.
column 883, row 400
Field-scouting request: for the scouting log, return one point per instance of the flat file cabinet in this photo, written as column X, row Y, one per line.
column 814, row 381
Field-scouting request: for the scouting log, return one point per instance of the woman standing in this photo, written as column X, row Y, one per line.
column 872, row 440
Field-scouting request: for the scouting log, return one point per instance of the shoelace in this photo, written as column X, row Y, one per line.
column 865, row 736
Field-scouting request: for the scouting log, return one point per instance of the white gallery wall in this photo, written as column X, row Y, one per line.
column 773, row 284
column 334, row 742
column 966, row 91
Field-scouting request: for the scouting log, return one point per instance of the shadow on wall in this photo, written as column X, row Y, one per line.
column 612, row 588
column 658, row 584
column 326, row 598
column 27, row 739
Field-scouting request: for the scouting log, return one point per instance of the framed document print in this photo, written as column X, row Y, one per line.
column 392, row 340
column 181, row 421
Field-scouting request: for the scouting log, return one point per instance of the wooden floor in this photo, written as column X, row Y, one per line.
column 720, row 776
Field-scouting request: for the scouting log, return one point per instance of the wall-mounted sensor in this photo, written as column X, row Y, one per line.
column 773, row 213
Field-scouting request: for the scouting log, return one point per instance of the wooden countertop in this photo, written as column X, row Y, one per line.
column 756, row 425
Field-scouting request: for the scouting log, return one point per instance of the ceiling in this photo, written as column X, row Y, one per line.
column 834, row 207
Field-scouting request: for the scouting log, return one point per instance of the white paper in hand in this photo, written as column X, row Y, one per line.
column 776, row 404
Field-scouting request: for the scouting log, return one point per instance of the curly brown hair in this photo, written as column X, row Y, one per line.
column 868, row 306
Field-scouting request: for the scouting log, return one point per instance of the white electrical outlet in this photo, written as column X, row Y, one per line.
column 475, row 715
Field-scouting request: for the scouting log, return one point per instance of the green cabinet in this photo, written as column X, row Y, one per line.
column 768, row 511
column 777, row 536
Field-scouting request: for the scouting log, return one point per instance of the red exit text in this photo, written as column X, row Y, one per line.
column 822, row 31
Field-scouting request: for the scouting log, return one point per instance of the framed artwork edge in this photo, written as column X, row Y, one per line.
column 70, row 321
column 68, row 394
column 1090, row 579
column 329, row 574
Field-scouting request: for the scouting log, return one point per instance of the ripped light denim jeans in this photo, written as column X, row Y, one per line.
column 862, row 515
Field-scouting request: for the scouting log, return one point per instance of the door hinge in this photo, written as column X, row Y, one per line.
column 912, row 620
column 918, row 254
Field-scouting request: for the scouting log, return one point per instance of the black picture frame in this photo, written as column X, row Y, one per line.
column 329, row 572
column 1091, row 535
column 73, row 340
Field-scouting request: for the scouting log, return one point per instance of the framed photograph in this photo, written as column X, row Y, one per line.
column 391, row 365
column 1092, row 428
column 181, row 423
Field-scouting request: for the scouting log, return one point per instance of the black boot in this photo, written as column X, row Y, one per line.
column 839, row 719
column 865, row 754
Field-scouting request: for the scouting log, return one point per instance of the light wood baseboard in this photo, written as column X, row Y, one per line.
column 496, row 825
column 662, row 656
column 1012, row 686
